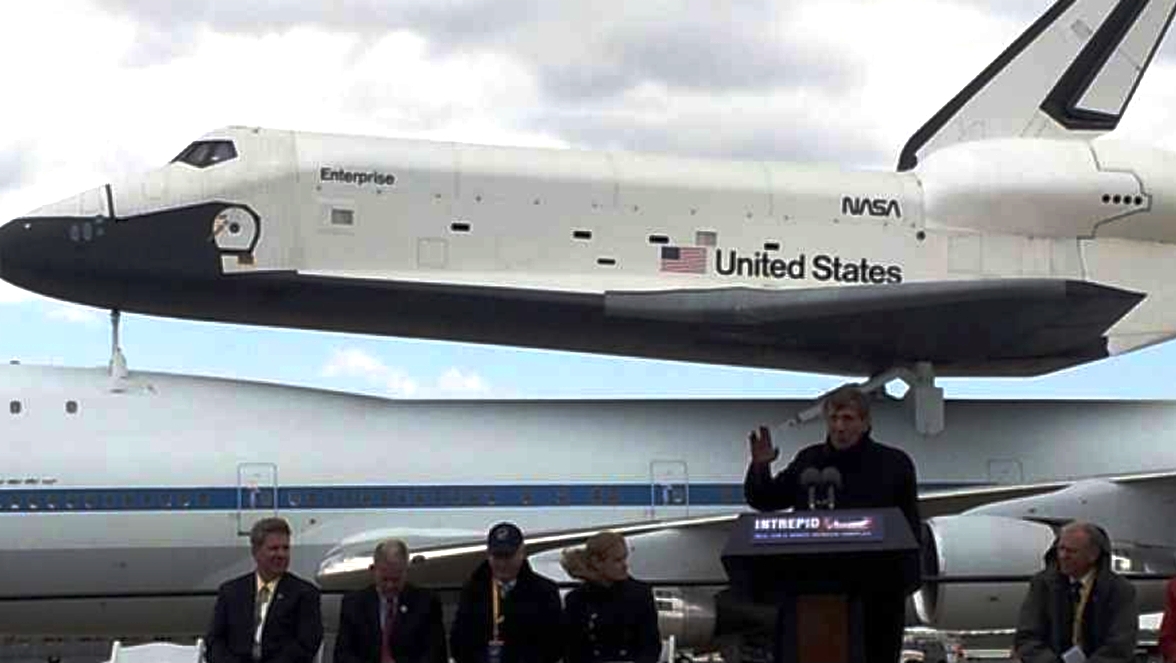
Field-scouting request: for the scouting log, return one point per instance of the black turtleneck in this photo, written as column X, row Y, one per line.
column 873, row 476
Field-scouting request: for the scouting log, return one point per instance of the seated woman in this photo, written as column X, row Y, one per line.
column 611, row 617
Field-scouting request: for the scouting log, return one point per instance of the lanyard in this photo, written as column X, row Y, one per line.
column 495, row 608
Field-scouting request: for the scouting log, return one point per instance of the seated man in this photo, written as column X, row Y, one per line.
column 268, row 614
column 392, row 619
column 1077, row 608
column 507, row 613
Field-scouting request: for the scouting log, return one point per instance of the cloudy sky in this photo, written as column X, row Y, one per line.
column 97, row 89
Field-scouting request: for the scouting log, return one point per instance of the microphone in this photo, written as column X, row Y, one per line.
column 809, row 479
column 831, row 477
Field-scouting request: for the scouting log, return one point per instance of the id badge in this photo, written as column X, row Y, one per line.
column 494, row 651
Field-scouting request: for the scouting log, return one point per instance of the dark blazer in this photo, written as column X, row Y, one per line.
column 617, row 622
column 531, row 629
column 293, row 625
column 1110, row 621
column 419, row 633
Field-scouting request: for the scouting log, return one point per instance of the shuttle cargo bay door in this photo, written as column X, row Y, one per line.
column 669, row 489
column 257, row 494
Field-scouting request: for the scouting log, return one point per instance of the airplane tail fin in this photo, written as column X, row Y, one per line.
column 1070, row 75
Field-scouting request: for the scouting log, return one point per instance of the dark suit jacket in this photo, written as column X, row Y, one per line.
column 419, row 636
column 293, row 625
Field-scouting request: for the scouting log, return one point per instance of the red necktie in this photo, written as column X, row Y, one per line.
column 389, row 629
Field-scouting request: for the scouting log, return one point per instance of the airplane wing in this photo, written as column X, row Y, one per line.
column 679, row 550
column 1034, row 325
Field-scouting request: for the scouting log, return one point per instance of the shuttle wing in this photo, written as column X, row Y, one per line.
column 1026, row 325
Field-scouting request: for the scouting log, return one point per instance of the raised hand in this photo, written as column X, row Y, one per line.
column 762, row 450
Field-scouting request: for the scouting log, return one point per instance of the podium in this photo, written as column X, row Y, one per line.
column 820, row 568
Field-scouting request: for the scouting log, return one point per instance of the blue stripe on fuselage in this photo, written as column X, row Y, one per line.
column 41, row 499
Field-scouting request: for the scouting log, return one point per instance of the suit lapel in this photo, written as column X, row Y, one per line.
column 248, row 588
column 371, row 609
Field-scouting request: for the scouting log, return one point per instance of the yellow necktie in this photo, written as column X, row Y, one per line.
column 1079, row 609
column 263, row 597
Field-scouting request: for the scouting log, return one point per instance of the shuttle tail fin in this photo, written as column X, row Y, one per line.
column 1070, row 75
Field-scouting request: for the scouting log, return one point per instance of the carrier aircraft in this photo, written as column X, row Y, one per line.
column 125, row 500
column 1016, row 236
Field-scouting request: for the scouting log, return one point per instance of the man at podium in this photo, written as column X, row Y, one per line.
column 872, row 476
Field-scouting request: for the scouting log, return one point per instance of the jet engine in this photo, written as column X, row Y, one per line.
column 687, row 613
column 972, row 546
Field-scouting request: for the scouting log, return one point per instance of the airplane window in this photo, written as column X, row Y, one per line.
column 223, row 150
column 71, row 407
column 14, row 407
column 205, row 153
column 202, row 499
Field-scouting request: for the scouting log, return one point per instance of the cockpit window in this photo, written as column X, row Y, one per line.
column 205, row 153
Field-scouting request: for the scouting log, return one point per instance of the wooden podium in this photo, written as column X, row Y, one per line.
column 816, row 567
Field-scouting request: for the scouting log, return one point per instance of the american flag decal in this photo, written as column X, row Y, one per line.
column 683, row 259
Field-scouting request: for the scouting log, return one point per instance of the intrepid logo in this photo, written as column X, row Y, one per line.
column 786, row 524
column 855, row 206
column 823, row 267
column 358, row 178
column 835, row 524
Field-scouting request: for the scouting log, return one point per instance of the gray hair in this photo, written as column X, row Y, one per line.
column 266, row 527
column 388, row 547
column 1095, row 536
column 847, row 396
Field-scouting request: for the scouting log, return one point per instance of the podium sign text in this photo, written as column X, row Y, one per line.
column 813, row 526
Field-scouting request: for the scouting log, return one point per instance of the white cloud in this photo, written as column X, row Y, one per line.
column 74, row 314
column 10, row 294
column 454, row 381
column 358, row 364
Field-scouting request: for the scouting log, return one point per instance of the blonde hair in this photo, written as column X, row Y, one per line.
column 584, row 562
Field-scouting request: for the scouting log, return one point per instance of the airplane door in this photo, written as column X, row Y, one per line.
column 257, row 494
column 669, row 489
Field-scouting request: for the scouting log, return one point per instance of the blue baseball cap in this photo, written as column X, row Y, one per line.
column 504, row 539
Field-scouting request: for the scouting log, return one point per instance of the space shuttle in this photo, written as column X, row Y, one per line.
column 122, row 510
column 1017, row 236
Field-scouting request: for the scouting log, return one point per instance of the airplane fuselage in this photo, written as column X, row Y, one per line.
column 150, row 489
